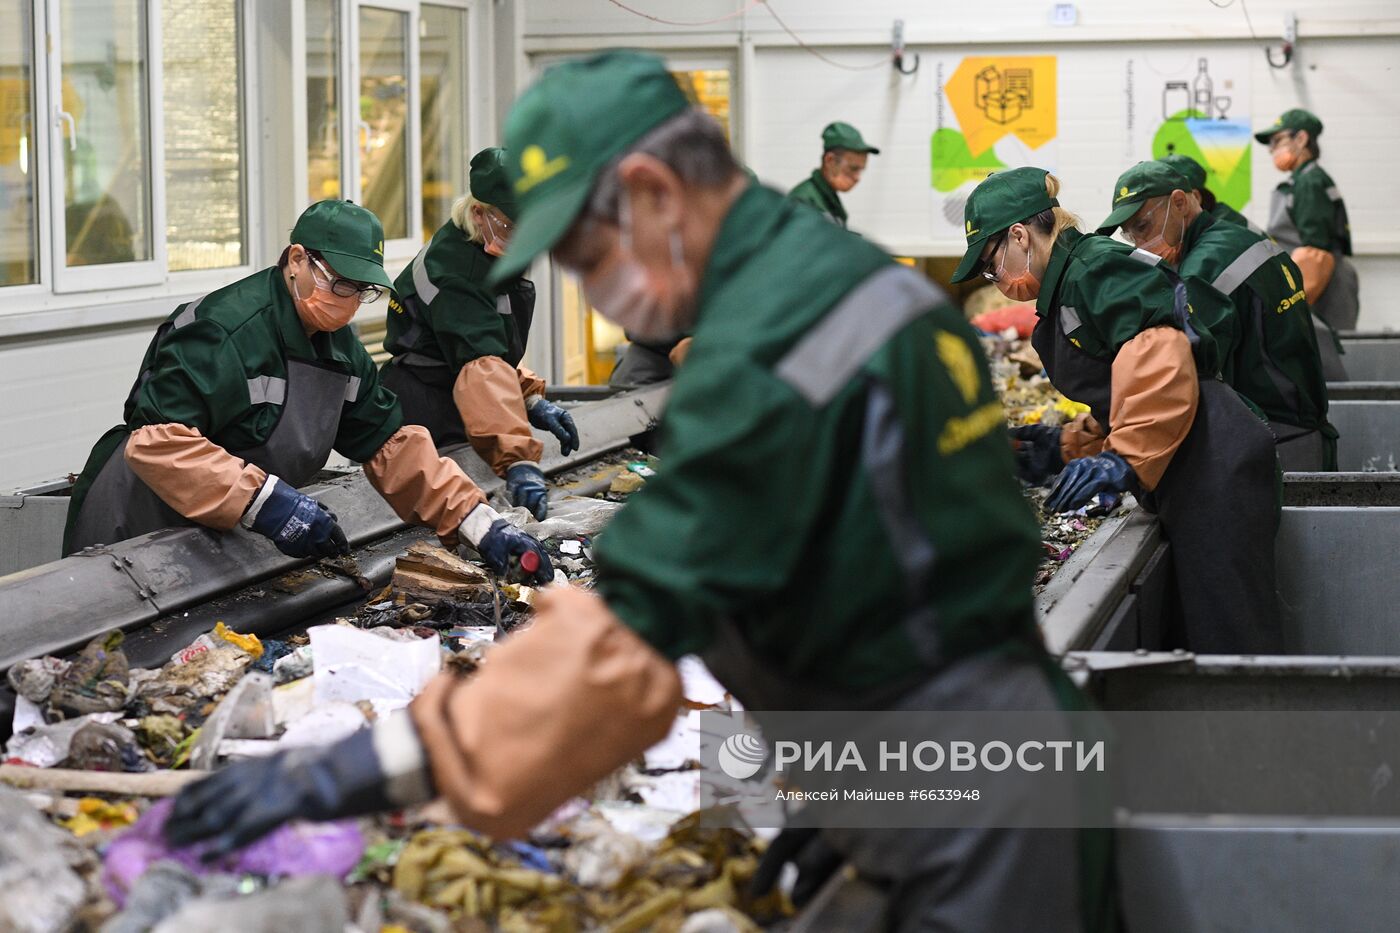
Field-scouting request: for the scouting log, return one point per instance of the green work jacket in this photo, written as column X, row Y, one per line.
column 216, row 361
column 817, row 192
column 1265, row 336
column 1317, row 209
column 458, row 317
column 1224, row 212
column 770, row 512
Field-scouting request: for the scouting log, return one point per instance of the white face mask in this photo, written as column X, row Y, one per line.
column 628, row 294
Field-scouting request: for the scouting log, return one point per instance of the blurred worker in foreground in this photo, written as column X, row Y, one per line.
column 814, row 393
column 1264, row 334
column 844, row 156
column 457, row 342
column 245, row 392
column 1118, row 333
column 1195, row 175
column 1309, row 218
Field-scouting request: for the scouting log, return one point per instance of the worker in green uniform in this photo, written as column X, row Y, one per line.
column 1195, row 175
column 845, row 154
column 1309, row 218
column 1117, row 330
column 1264, row 334
column 457, row 342
column 823, row 380
column 244, row 393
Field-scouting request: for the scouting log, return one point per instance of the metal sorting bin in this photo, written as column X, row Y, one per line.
column 1371, row 357
column 31, row 525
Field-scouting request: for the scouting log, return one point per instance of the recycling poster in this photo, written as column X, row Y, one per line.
column 992, row 113
column 1195, row 104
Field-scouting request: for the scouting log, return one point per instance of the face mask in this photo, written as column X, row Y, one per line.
column 323, row 310
column 496, row 243
column 640, row 302
column 1158, row 244
column 1023, row 286
column 1286, row 157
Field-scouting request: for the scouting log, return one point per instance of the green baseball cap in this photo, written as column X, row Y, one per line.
column 350, row 237
column 844, row 136
column 1292, row 120
column 1003, row 199
column 565, row 129
column 489, row 181
column 1193, row 171
column 1142, row 181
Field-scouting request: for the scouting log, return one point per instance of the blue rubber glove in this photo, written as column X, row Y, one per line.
column 383, row 768
column 1086, row 477
column 298, row 524
column 1038, row 454
column 507, row 551
column 553, row 418
column 525, row 486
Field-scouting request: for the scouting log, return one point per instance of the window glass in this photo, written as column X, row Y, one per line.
column 203, row 134
column 18, row 237
column 323, row 99
column 707, row 88
column 442, row 46
column 383, row 130
column 105, row 143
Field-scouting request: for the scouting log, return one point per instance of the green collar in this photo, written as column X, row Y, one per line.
column 829, row 195
column 1055, row 269
column 1307, row 166
column 1195, row 230
column 742, row 235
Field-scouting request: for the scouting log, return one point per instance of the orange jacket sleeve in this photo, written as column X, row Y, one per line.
column 192, row 474
column 489, row 397
column 1155, row 394
column 679, row 352
column 559, row 706
column 421, row 487
column 531, row 384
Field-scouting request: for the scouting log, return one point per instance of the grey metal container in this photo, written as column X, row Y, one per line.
column 31, row 525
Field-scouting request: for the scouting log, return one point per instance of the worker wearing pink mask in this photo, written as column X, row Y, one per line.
column 1308, row 218
column 244, row 393
column 457, row 342
column 1117, row 332
column 845, row 154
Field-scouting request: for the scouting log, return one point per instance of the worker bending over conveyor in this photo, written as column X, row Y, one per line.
column 457, row 342
column 245, row 392
column 823, row 378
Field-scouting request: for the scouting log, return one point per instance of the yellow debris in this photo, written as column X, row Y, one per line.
column 95, row 814
column 248, row 643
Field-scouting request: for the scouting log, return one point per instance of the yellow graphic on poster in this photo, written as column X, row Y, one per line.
column 993, row 112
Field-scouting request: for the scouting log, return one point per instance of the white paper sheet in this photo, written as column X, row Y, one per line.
column 351, row 665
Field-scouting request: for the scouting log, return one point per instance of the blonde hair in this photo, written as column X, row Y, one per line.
column 1062, row 219
column 462, row 217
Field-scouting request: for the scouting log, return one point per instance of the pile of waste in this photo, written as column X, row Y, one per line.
column 100, row 747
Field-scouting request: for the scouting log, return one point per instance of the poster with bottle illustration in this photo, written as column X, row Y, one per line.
column 1195, row 103
column 991, row 113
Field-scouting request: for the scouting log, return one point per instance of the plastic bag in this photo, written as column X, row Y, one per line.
column 574, row 516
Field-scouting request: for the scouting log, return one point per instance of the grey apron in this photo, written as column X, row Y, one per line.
column 119, row 505
column 1217, row 500
column 643, row 364
column 1339, row 305
column 424, row 383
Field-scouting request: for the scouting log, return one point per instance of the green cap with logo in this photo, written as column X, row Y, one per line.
column 1142, row 181
column 350, row 238
column 1003, row 199
column 1291, row 121
column 1193, row 171
column 565, row 129
column 489, row 181
column 844, row 136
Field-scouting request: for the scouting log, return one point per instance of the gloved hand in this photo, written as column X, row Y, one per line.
column 298, row 524
column 814, row 857
column 376, row 769
column 1086, row 477
column 1038, row 454
column 507, row 551
column 553, row 418
column 525, row 486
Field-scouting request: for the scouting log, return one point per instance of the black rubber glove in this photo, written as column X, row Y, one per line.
column 1038, row 454
column 525, row 486
column 297, row 524
column 807, row 849
column 1086, row 477
column 514, row 555
column 555, row 419
column 250, row 798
